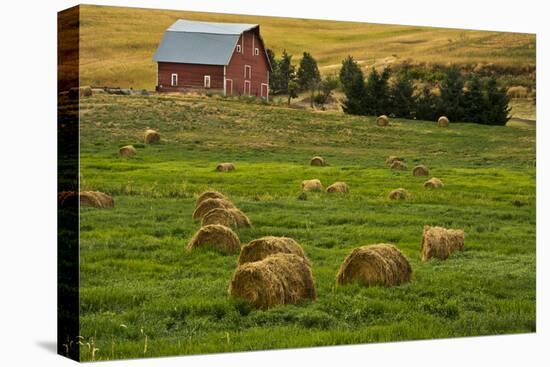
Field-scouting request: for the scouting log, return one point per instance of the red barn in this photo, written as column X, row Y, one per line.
column 229, row 58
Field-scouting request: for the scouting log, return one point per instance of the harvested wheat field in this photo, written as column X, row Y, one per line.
column 278, row 279
column 225, row 167
column 443, row 121
column 151, row 136
column 433, row 183
column 206, row 205
column 216, row 236
column 127, row 151
column 260, row 248
column 399, row 194
column 382, row 120
column 420, row 170
column 441, row 242
column 398, row 166
column 373, row 265
column 341, row 187
column 318, row 161
column 311, row 185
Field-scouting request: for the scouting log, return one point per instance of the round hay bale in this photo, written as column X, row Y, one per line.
column 443, row 121
column 151, row 137
column 338, row 187
column 85, row 91
column 88, row 198
column 216, row 236
column 127, row 151
column 382, row 120
column 312, row 185
column 219, row 216
column 398, row 166
column 240, row 218
column 380, row 264
column 318, row 161
column 420, row 170
column 399, row 194
column 105, row 200
column 261, row 248
column 225, row 167
column 433, row 183
column 206, row 205
column 441, row 242
column 393, row 158
column 276, row 280
column 210, row 195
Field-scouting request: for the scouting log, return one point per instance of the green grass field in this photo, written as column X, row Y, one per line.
column 143, row 295
column 117, row 44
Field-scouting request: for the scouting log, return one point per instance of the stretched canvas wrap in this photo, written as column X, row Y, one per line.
column 239, row 183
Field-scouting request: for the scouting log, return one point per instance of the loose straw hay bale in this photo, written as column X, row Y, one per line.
column 338, row 187
column 382, row 120
column 261, row 248
column 312, row 185
column 219, row 216
column 433, row 183
column 443, row 121
column 94, row 199
column 240, row 218
column 276, row 280
column 318, row 161
column 393, row 158
column 420, row 170
column 399, row 194
column 209, row 195
column 216, row 236
column 151, row 136
column 225, row 167
column 127, row 151
column 398, row 166
column 85, row 91
column 441, row 242
column 380, row 264
column 206, row 205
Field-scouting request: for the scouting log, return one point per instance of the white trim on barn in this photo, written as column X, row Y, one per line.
column 207, row 81
column 266, row 90
column 247, row 82
column 249, row 73
column 224, row 80
column 174, row 81
column 231, row 84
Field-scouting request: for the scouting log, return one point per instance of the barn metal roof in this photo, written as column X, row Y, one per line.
column 194, row 42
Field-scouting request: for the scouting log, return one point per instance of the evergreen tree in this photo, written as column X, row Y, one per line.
column 293, row 88
column 308, row 74
column 402, row 97
column 474, row 101
column 427, row 105
column 496, row 105
column 353, row 85
column 326, row 86
column 349, row 71
column 273, row 75
column 283, row 73
column 377, row 93
column 452, row 95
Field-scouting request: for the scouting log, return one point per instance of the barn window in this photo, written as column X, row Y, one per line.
column 238, row 48
column 256, row 51
column 174, row 80
column 207, row 81
column 247, row 71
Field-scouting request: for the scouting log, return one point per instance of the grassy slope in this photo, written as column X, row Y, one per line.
column 137, row 279
column 118, row 43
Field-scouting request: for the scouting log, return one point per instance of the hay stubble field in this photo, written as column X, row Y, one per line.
column 143, row 295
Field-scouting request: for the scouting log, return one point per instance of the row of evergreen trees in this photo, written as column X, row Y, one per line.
column 460, row 99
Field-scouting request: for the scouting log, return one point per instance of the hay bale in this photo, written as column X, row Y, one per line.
column 433, row 183
column 206, row 205
column 225, row 167
column 95, row 199
column 210, row 195
column 127, row 151
column 443, row 121
column 420, row 170
column 151, row 136
column 219, row 216
column 105, row 200
column 311, row 185
column 318, row 161
column 393, row 158
column 398, row 166
column 216, row 236
column 241, row 219
column 276, row 280
column 441, row 242
column 338, row 187
column 85, row 91
column 380, row 264
column 382, row 120
column 399, row 194
column 261, row 248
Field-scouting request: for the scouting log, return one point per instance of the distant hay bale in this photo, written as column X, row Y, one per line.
column 219, row 216
column 127, row 151
column 443, row 121
column 398, row 166
column 225, row 167
column 85, row 91
column 151, row 136
column 393, row 158
column 517, row 91
column 261, row 248
column 312, row 185
column 209, row 195
column 105, row 200
column 382, row 120
column 433, row 183
column 399, row 194
column 216, row 236
column 318, row 161
column 94, row 199
column 338, row 187
column 420, row 170
column 380, row 264
column 276, row 280
column 241, row 219
column 440, row 242
column 206, row 205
